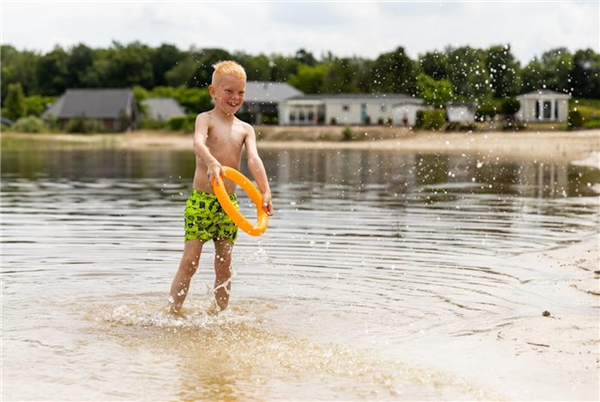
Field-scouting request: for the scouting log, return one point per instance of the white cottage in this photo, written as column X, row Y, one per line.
column 397, row 109
column 543, row 106
column 461, row 112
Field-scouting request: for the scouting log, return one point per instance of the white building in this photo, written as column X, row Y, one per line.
column 543, row 105
column 397, row 109
column 265, row 97
column 461, row 112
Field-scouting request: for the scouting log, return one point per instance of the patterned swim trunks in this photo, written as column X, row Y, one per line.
column 206, row 220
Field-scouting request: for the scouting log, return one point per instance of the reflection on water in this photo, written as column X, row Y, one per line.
column 367, row 251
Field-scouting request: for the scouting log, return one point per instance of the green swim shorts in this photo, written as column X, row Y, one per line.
column 206, row 220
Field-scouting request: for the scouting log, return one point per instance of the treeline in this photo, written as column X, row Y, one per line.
column 462, row 73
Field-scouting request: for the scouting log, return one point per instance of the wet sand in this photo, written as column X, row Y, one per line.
column 557, row 348
column 527, row 145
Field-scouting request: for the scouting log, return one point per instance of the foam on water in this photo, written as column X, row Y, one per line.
column 240, row 353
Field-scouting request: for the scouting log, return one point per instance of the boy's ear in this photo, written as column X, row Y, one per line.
column 211, row 91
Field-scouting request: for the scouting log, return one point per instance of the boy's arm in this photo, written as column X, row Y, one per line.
column 257, row 169
column 214, row 170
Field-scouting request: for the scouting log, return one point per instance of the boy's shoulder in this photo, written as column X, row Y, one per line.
column 246, row 126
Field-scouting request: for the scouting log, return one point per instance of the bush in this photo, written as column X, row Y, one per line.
column 182, row 123
column 84, row 126
column 510, row 106
column 574, row 119
column 431, row 119
column 29, row 124
column 347, row 133
column 488, row 110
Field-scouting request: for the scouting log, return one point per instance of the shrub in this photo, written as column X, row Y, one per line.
column 29, row 124
column 574, row 119
column 182, row 123
column 82, row 125
column 347, row 133
column 431, row 119
column 510, row 106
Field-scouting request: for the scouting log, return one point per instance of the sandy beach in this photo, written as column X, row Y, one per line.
column 527, row 145
column 555, row 343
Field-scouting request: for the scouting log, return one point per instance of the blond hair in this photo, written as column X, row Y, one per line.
column 228, row 67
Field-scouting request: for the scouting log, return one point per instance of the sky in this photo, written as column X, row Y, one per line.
column 344, row 28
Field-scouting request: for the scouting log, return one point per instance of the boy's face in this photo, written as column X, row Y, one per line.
column 228, row 93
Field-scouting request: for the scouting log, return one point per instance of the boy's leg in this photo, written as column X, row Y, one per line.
column 223, row 250
column 187, row 269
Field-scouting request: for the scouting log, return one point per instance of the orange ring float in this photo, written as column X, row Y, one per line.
column 235, row 215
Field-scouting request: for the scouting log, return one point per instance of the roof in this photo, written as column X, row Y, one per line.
column 92, row 103
column 349, row 97
column 544, row 93
column 269, row 92
column 162, row 108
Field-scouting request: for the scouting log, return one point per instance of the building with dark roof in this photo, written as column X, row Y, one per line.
column 162, row 109
column 264, row 97
column 397, row 109
column 114, row 108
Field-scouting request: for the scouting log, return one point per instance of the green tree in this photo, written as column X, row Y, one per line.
column 394, row 72
column 53, row 73
column 15, row 102
column 309, row 79
column 182, row 73
column 434, row 64
column 556, row 67
column 164, row 59
column 80, row 59
column 130, row 65
column 18, row 67
column 283, row 67
column 468, row 73
column 585, row 74
column 258, row 68
column 304, row 57
column 435, row 93
column 504, row 71
column 35, row 105
column 342, row 76
column 205, row 59
column 532, row 76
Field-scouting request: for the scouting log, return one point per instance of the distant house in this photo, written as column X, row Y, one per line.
column 264, row 97
column 461, row 112
column 115, row 108
column 397, row 109
column 543, row 105
column 162, row 109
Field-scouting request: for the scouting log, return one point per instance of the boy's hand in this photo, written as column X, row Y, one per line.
column 267, row 204
column 215, row 171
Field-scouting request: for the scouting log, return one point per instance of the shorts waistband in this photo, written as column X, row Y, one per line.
column 211, row 195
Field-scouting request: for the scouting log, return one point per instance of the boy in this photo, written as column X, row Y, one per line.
column 218, row 141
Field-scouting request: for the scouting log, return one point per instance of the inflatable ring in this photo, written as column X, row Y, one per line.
column 235, row 215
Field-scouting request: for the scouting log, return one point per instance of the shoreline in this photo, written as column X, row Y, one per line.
column 527, row 145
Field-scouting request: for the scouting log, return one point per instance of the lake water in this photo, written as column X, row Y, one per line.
column 373, row 262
